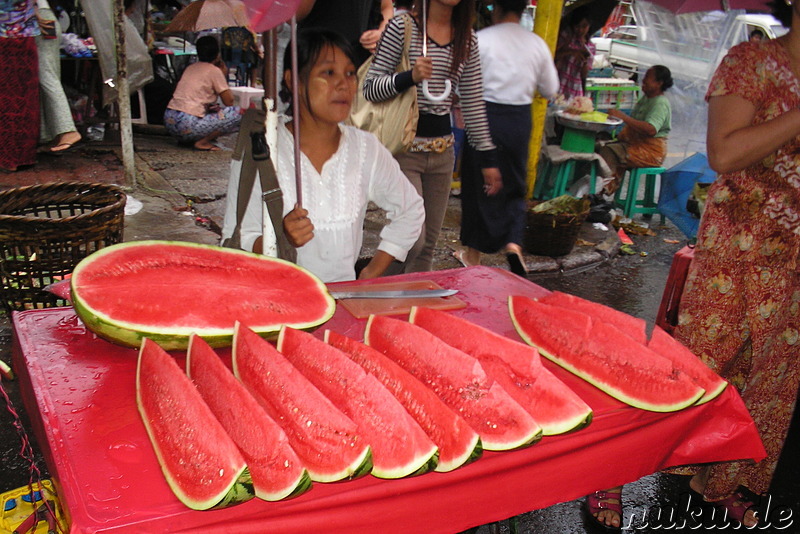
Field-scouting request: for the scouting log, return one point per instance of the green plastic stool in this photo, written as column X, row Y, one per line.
column 631, row 204
column 562, row 175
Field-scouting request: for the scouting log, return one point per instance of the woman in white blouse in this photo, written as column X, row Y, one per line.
column 343, row 169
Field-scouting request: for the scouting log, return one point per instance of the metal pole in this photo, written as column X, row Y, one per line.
column 298, row 179
column 123, row 96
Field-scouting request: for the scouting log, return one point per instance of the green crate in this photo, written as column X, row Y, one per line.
column 575, row 140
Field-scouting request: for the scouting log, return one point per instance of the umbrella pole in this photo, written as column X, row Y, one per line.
column 298, row 180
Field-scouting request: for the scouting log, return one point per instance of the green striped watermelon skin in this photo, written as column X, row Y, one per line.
column 604, row 356
column 200, row 462
column 516, row 366
column 458, row 380
column 325, row 439
column 276, row 471
column 458, row 443
column 167, row 290
column 400, row 447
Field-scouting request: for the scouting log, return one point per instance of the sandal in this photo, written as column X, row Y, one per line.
column 736, row 507
column 516, row 264
column 461, row 256
column 599, row 502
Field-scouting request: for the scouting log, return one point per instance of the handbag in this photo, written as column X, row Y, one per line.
column 393, row 121
column 252, row 150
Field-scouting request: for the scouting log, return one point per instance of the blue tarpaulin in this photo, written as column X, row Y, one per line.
column 676, row 186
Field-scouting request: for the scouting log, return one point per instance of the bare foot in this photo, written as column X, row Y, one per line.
column 610, row 516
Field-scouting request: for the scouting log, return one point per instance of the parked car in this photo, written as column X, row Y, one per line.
column 692, row 50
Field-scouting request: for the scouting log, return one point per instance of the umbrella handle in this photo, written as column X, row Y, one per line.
column 440, row 98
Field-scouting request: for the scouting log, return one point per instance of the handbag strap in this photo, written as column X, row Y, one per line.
column 255, row 157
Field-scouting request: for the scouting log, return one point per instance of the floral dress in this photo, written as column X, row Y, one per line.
column 740, row 311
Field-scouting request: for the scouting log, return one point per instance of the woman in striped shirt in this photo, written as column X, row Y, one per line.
column 452, row 54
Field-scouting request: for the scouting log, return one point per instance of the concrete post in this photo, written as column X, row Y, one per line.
column 123, row 96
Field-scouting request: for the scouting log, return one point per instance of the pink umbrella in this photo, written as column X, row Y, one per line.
column 208, row 14
column 267, row 14
column 680, row 7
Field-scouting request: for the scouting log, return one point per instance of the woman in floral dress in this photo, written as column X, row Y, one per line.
column 740, row 311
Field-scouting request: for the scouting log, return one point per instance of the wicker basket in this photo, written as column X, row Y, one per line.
column 45, row 230
column 552, row 235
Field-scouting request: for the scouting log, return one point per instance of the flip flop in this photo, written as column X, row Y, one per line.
column 598, row 502
column 459, row 255
column 213, row 148
column 67, row 148
column 516, row 264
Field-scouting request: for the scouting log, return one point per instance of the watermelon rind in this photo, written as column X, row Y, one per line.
column 276, row 471
column 458, row 443
column 99, row 315
column 515, row 365
column 613, row 388
column 458, row 379
column 185, row 435
column 400, row 447
column 322, row 436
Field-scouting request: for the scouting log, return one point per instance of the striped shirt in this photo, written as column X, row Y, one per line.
column 383, row 83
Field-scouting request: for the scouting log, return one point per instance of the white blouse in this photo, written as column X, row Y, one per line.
column 360, row 171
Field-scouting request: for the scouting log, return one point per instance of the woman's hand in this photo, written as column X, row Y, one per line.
column 617, row 114
column 422, row 70
column 298, row 227
column 492, row 181
column 369, row 39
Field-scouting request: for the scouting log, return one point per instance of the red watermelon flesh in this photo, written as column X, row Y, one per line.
column 516, row 366
column 400, row 447
column 201, row 463
column 458, row 443
column 276, row 470
column 636, row 328
column 604, row 356
column 326, row 440
column 685, row 360
column 458, row 379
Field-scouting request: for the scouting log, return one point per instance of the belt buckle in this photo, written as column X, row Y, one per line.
column 439, row 145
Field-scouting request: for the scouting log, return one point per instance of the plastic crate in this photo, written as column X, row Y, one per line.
column 612, row 93
column 19, row 504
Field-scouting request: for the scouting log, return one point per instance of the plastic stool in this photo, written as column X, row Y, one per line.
column 562, row 174
column 631, row 205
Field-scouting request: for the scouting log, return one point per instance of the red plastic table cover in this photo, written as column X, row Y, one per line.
column 80, row 393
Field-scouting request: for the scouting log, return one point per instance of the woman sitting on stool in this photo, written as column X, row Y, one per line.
column 643, row 140
column 193, row 115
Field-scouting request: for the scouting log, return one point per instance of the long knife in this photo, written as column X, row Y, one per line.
column 402, row 294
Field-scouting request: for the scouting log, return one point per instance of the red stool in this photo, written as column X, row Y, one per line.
column 667, row 317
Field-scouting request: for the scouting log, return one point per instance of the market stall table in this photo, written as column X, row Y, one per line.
column 80, row 393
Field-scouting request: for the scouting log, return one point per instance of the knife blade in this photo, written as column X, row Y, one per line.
column 402, row 294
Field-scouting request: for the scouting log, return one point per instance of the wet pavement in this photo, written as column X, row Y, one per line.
column 182, row 195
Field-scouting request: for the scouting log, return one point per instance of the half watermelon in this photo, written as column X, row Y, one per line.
column 201, row 463
column 325, row 439
column 685, row 360
column 516, row 366
column 399, row 446
column 604, row 356
column 458, row 443
column 276, row 470
column 458, row 379
column 168, row 290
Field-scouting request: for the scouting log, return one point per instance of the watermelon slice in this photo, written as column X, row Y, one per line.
column 516, row 366
column 325, row 439
column 167, row 290
column 604, row 356
column 633, row 326
column 458, row 443
column 276, row 470
column 400, row 447
column 201, row 463
column 685, row 360
column 458, row 379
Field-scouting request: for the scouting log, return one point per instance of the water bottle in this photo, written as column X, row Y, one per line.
column 527, row 20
